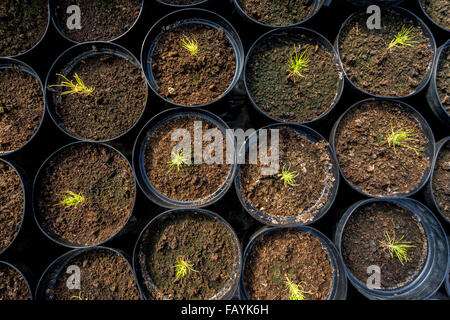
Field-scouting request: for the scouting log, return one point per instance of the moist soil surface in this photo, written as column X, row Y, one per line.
column 368, row 161
column 287, row 254
column 105, row 180
column 117, row 102
column 441, row 180
column 277, row 13
column 22, row 24
column 21, row 108
column 312, row 163
column 196, row 238
column 12, row 284
column 438, row 10
column 193, row 80
column 378, row 70
column 100, row 20
column 181, row 2
column 362, row 241
column 286, row 97
column 105, row 275
column 192, row 182
column 11, row 205
column 443, row 79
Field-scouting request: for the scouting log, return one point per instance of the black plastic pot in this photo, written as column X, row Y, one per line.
column 430, row 19
column 435, row 267
column 62, row 33
column 25, row 182
column 366, row 3
column 48, row 278
column 432, row 93
column 55, row 238
column 144, row 281
column 184, row 17
column 429, row 195
column 39, row 41
column 416, row 20
column 9, row 63
column 181, row 6
column 294, row 32
column 429, row 149
column 270, row 220
column 21, row 274
column 139, row 151
column 339, row 286
column 315, row 9
column 68, row 60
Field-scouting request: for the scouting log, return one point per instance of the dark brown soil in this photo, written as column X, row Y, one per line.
column 100, row 20
column 12, row 284
column 441, row 180
column 193, row 80
column 292, row 98
column 367, row 160
column 378, row 70
column 105, row 275
column 11, row 205
column 115, row 105
column 21, row 108
column 105, row 180
column 290, row 253
column 181, row 2
column 200, row 240
column 193, row 182
column 22, row 24
column 277, row 13
column 443, row 78
column 313, row 164
column 438, row 10
column 363, row 234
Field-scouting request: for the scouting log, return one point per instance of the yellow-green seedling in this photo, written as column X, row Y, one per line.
column 299, row 63
column 78, row 297
column 190, row 45
column 77, row 87
column 400, row 137
column 296, row 291
column 179, row 160
column 70, row 199
column 398, row 247
column 183, row 267
column 403, row 37
column 288, row 176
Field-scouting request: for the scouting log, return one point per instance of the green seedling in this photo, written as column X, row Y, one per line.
column 299, row 63
column 78, row 87
column 190, row 45
column 70, row 199
column 288, row 176
column 296, row 291
column 79, row 297
column 403, row 37
column 178, row 161
column 400, row 137
column 183, row 267
column 398, row 247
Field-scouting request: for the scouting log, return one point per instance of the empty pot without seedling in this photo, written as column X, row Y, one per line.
column 425, row 279
column 14, row 285
column 178, row 4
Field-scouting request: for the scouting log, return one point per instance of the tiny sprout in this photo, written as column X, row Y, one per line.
column 70, row 199
column 299, row 62
column 78, row 297
column 183, row 267
column 398, row 247
column 288, row 176
column 296, row 291
column 178, row 161
column 403, row 38
column 78, row 87
column 190, row 45
column 398, row 138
